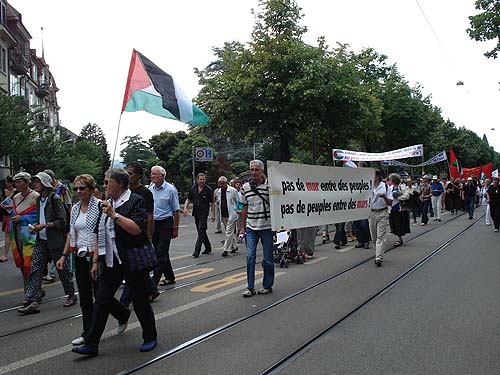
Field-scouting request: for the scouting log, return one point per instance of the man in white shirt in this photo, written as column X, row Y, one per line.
column 379, row 217
column 226, row 202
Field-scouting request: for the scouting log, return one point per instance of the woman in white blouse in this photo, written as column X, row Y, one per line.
column 82, row 241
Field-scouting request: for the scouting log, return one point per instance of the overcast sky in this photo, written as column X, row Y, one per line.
column 88, row 45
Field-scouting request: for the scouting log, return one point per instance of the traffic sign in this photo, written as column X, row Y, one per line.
column 203, row 154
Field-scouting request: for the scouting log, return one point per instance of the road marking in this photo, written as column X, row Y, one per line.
column 21, row 290
column 316, row 260
column 64, row 349
column 348, row 248
column 181, row 257
column 217, row 284
column 193, row 273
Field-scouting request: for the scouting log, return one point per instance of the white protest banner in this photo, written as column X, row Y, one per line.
column 307, row 195
column 436, row 159
column 402, row 153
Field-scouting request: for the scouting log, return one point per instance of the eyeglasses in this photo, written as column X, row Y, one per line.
column 79, row 188
column 105, row 182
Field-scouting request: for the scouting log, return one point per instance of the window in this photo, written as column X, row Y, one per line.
column 3, row 12
column 3, row 60
column 15, row 85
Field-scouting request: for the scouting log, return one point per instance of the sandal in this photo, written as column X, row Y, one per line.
column 70, row 301
column 397, row 244
column 3, row 259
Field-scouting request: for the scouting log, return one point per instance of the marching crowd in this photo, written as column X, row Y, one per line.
column 104, row 240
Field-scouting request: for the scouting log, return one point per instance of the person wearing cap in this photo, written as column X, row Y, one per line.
column 23, row 215
column 50, row 241
column 437, row 190
column 494, row 202
column 469, row 191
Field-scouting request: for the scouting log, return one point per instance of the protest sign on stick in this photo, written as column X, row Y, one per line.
column 308, row 195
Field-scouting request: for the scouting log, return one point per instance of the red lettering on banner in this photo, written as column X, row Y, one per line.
column 362, row 204
column 312, row 186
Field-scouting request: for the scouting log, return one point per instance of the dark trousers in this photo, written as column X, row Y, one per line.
column 340, row 235
column 201, row 228
column 362, row 230
column 162, row 234
column 86, row 288
column 495, row 214
column 126, row 297
column 426, row 204
column 110, row 279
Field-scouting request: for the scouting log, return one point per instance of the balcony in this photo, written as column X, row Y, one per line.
column 19, row 64
column 42, row 90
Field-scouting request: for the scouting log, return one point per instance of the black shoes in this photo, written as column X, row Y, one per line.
column 378, row 263
column 224, row 253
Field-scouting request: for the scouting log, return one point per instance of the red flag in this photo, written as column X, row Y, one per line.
column 486, row 169
column 455, row 167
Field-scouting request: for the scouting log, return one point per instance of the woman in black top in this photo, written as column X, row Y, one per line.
column 121, row 227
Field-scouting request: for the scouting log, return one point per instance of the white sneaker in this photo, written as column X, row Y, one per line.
column 122, row 328
column 496, row 230
column 488, row 223
column 79, row 341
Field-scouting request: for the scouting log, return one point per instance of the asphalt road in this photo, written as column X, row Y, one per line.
column 440, row 320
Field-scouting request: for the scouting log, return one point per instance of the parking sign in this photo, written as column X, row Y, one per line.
column 203, row 154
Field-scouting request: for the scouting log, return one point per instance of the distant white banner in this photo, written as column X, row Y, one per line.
column 436, row 159
column 308, row 195
column 402, row 153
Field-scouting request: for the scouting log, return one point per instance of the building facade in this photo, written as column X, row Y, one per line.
column 23, row 73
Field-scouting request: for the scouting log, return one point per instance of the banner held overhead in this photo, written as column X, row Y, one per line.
column 402, row 153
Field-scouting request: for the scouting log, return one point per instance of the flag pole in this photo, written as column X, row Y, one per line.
column 116, row 141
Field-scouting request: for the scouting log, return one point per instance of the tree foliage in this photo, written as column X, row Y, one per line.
column 486, row 25
column 135, row 149
column 94, row 134
column 15, row 129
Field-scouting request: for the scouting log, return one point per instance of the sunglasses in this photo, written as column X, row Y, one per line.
column 79, row 188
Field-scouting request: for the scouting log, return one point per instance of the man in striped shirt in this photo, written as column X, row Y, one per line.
column 256, row 224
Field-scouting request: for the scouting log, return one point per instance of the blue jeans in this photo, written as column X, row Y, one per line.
column 470, row 206
column 266, row 238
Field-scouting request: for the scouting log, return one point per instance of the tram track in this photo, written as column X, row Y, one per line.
column 201, row 280
column 282, row 362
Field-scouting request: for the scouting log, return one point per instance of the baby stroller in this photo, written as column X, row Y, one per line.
column 285, row 249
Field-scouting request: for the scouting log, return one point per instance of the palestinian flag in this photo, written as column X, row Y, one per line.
column 455, row 166
column 152, row 90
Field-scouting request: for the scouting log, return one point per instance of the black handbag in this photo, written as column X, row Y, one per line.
column 142, row 258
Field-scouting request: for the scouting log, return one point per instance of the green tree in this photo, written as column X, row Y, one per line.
column 15, row 129
column 164, row 144
column 486, row 25
column 271, row 88
column 135, row 149
column 94, row 134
